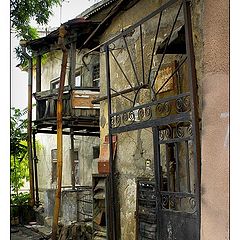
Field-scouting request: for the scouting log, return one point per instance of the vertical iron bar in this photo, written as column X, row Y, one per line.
column 112, row 218
column 154, row 45
column 167, row 165
column 141, row 42
column 72, row 159
column 35, row 167
column 130, row 57
column 176, row 151
column 187, row 167
column 164, row 52
column 157, row 168
column 194, row 106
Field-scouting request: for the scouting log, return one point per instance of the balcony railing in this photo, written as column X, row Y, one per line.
column 77, row 103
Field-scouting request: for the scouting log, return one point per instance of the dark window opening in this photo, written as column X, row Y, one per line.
column 54, row 84
column 76, row 167
column 96, row 151
column 54, row 165
column 96, row 75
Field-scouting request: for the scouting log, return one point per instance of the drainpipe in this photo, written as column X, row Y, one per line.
column 62, row 33
column 35, row 167
column 29, row 128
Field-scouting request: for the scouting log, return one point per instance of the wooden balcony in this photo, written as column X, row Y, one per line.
column 78, row 111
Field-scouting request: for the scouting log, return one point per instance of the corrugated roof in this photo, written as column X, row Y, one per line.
column 96, row 8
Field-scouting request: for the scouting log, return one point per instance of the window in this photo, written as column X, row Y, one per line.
column 54, row 165
column 96, row 75
column 78, row 78
column 76, row 165
column 54, row 84
column 96, row 151
column 78, row 81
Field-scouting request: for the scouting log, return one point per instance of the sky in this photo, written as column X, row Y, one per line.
column 19, row 79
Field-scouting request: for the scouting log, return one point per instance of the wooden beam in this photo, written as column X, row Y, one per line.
column 62, row 33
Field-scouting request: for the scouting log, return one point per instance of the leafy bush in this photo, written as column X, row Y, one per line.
column 20, row 199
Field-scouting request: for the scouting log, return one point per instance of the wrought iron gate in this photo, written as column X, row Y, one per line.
column 161, row 94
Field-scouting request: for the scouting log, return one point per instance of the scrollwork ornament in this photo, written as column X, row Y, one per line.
column 183, row 104
column 180, row 130
column 165, row 201
column 165, row 133
column 125, row 118
column 117, row 121
column 163, row 108
column 192, row 202
column 141, row 113
column 131, row 116
column 172, row 202
column 189, row 129
column 148, row 112
column 113, row 121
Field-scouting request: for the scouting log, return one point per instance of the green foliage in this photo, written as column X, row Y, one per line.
column 20, row 199
column 22, row 12
column 18, row 148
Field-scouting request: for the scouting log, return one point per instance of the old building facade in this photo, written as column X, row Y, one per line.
column 163, row 166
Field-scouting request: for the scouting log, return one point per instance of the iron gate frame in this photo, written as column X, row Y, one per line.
column 112, row 228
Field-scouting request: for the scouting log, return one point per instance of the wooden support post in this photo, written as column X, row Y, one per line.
column 62, row 33
column 72, row 158
column 29, row 133
column 71, row 79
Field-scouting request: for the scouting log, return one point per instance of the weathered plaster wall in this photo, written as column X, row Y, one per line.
column 215, row 122
column 85, row 153
column 136, row 147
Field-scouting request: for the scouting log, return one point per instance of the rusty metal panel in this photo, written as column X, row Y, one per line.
column 146, row 210
column 83, row 99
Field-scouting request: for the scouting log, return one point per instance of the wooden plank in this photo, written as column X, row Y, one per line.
column 84, row 100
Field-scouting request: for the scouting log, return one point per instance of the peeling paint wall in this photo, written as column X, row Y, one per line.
column 215, row 121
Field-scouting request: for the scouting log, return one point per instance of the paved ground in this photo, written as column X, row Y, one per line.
column 26, row 233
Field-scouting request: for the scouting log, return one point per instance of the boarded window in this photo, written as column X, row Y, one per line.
column 54, row 166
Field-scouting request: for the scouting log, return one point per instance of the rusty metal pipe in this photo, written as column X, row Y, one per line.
column 62, row 33
column 35, row 168
column 72, row 159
